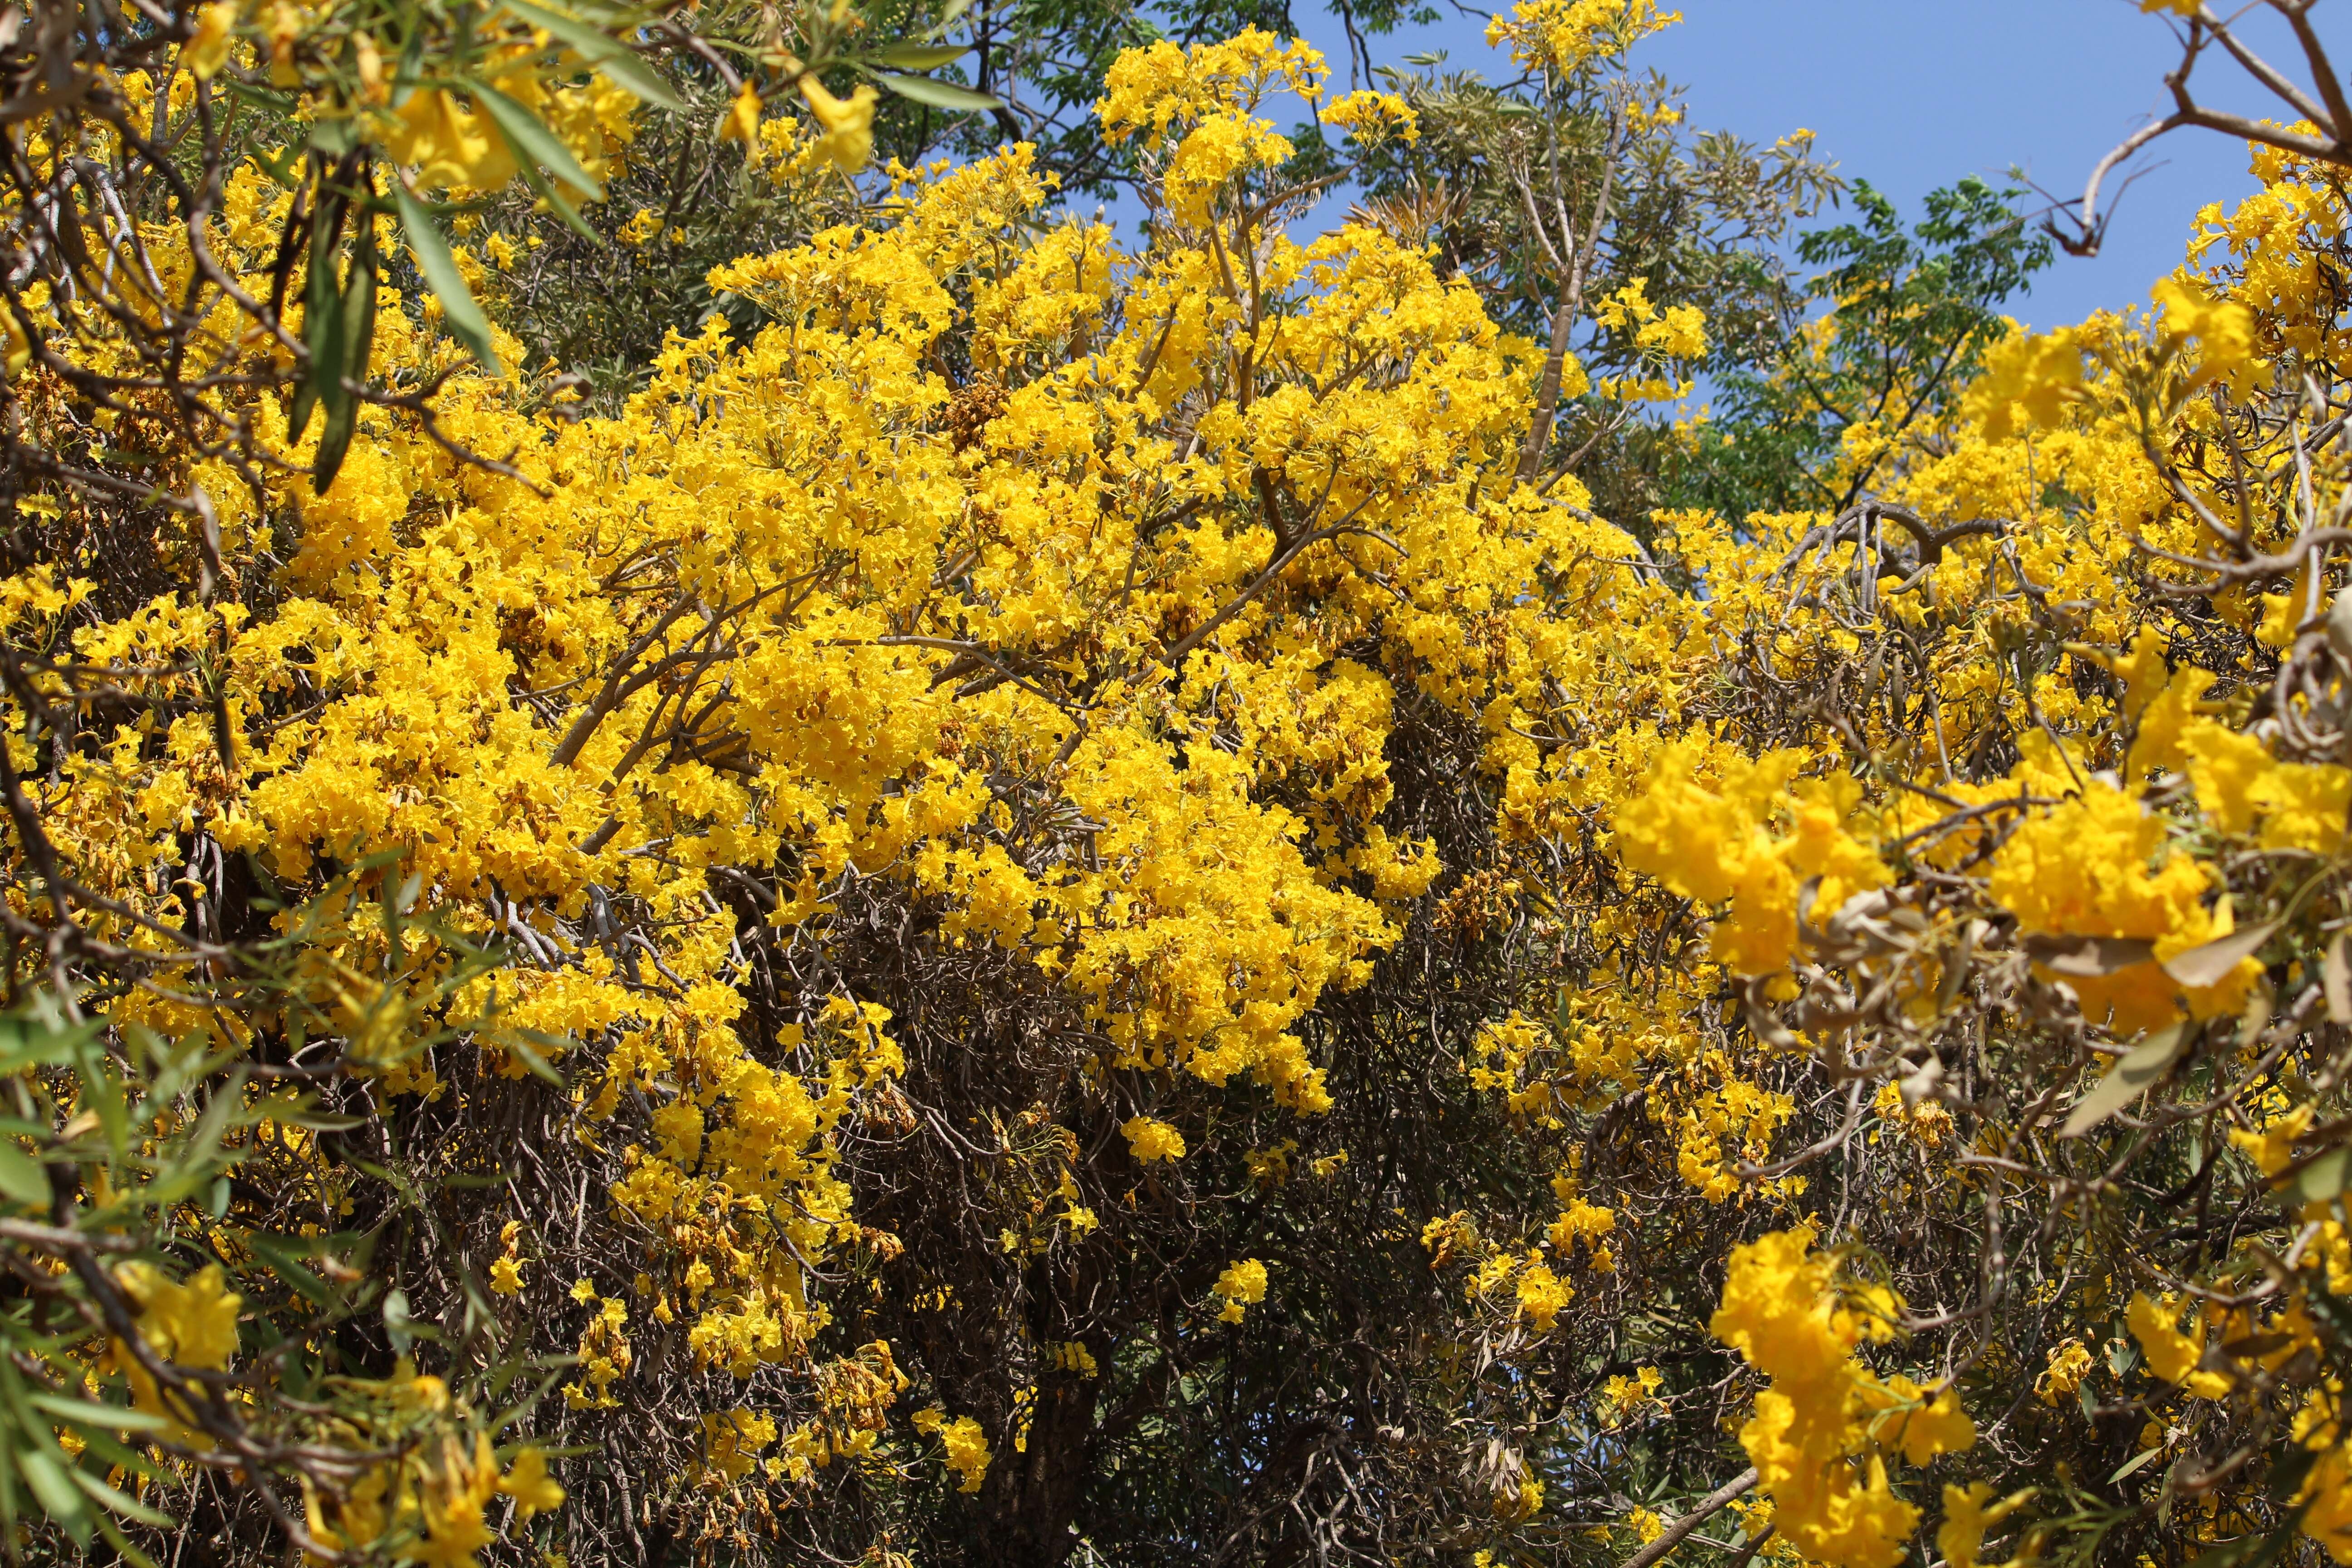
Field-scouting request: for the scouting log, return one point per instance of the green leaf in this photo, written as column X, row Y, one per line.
column 534, row 142
column 45, row 1474
column 21, row 1176
column 119, row 1502
column 538, row 1064
column 2323, row 1178
column 98, row 1445
column 356, row 313
column 102, row 1093
column 121, row 1543
column 278, row 105
column 440, row 269
column 625, row 69
column 939, row 94
column 196, row 1164
column 552, row 194
column 618, row 62
column 285, row 168
column 322, row 328
column 281, row 1260
column 2127, row 1080
column 35, row 1042
column 106, row 1418
column 922, row 56
column 2148, row 1458
column 335, row 137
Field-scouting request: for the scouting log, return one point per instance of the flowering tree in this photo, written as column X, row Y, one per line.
column 1042, row 903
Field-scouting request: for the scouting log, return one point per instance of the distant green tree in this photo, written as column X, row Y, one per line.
column 1879, row 338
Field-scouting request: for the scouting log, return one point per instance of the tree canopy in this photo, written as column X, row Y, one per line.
column 729, row 841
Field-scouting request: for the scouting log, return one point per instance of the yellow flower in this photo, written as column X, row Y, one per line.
column 193, row 1324
column 742, row 120
column 207, row 49
column 1821, row 1431
column 967, row 1446
column 1543, row 1296
column 1568, row 35
column 2063, row 1373
column 448, row 144
column 1967, row 1519
column 1241, row 1285
column 848, row 139
column 2272, row 1149
column 2224, row 331
column 452, row 1504
column 528, row 1482
column 1374, row 116
column 2040, row 375
column 2173, row 1355
column 1148, row 1140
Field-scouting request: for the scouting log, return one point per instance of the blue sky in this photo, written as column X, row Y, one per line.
column 1913, row 94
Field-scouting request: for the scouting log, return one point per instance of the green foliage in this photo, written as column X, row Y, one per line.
column 204, row 1269
column 1879, row 336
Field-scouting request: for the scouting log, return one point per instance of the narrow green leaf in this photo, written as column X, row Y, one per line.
column 440, row 269
column 8, row 1511
column 196, row 1164
column 356, row 313
column 591, row 40
column 44, row 1474
column 334, row 137
column 86, row 1413
column 97, row 1445
column 535, row 142
column 558, row 203
column 32, row 1046
column 322, row 328
column 939, row 94
column 121, row 1543
column 281, row 1260
column 615, row 59
column 922, row 56
column 2127, row 1080
column 102, row 1092
column 628, row 71
column 538, row 1066
column 21, row 1176
column 118, row 1502
column 285, row 168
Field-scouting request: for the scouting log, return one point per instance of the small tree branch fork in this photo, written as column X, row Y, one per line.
column 1707, row 1508
column 2330, row 110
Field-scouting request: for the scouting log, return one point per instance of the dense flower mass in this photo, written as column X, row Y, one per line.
column 1052, row 888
